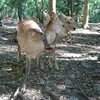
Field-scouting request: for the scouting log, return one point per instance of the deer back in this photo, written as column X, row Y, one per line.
column 29, row 37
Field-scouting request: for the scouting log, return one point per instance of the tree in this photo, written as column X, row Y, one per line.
column 85, row 14
column 72, row 7
column 0, row 22
column 42, row 9
column 37, row 10
column 20, row 11
column 28, row 8
column 52, row 6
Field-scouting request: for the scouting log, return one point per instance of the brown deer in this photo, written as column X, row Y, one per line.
column 68, row 24
column 31, row 39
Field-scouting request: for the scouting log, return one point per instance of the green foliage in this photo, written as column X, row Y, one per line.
column 94, row 11
column 62, row 6
column 9, row 8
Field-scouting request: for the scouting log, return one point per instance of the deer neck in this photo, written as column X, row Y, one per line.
column 51, row 36
column 50, row 32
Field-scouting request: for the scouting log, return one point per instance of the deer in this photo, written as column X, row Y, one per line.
column 68, row 24
column 33, row 41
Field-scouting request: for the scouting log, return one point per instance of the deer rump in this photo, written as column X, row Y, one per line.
column 29, row 38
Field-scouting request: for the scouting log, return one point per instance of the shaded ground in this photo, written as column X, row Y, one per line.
column 77, row 79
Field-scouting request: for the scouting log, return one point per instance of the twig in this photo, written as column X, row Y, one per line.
column 3, row 89
column 82, row 95
column 11, row 62
column 55, row 97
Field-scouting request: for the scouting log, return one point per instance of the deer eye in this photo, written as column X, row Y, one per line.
column 68, row 22
column 63, row 25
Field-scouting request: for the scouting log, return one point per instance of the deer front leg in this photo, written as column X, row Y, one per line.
column 52, row 58
column 18, row 53
column 49, row 58
column 55, row 61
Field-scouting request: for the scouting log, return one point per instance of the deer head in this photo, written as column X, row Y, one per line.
column 68, row 21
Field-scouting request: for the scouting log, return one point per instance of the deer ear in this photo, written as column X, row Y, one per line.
column 46, row 16
column 62, row 15
column 52, row 15
column 74, row 18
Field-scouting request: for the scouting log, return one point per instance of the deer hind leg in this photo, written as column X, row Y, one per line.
column 18, row 53
column 28, row 61
column 40, row 66
column 39, row 62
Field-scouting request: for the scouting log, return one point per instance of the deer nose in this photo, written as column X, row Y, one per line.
column 74, row 28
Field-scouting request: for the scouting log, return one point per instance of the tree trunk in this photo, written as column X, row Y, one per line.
column 20, row 10
column 42, row 10
column 0, row 21
column 19, row 13
column 52, row 6
column 68, row 5
column 72, row 7
column 85, row 15
column 36, row 4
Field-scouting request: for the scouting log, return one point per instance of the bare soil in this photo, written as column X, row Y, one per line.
column 78, row 60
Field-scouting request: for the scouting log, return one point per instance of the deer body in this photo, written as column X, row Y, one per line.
column 52, row 37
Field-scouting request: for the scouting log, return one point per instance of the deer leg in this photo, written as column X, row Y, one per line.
column 49, row 58
column 55, row 61
column 39, row 63
column 40, row 66
column 28, row 61
column 18, row 53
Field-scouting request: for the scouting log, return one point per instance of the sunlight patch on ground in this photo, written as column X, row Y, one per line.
column 61, row 87
column 79, row 46
column 61, row 45
column 7, row 48
column 10, row 27
column 3, row 38
column 4, row 96
column 34, row 94
column 71, row 54
column 76, row 56
column 83, row 31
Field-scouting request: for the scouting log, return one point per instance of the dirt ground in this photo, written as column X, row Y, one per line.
column 78, row 60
